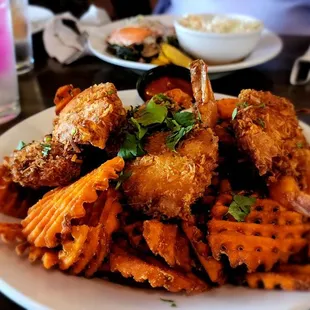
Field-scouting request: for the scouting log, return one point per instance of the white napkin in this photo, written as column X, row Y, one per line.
column 300, row 61
column 66, row 45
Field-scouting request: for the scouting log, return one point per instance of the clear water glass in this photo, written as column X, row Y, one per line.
column 22, row 36
column 9, row 99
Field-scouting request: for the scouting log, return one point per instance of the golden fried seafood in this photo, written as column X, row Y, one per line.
column 267, row 130
column 205, row 106
column 180, row 178
column 44, row 163
column 181, row 175
column 90, row 117
column 15, row 200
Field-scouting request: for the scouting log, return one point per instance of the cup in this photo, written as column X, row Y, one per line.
column 22, row 36
column 9, row 99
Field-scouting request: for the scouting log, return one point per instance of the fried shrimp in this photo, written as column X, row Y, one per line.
column 267, row 130
column 166, row 182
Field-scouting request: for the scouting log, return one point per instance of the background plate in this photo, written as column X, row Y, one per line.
column 268, row 47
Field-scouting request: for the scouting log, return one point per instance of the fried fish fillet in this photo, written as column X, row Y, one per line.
column 90, row 116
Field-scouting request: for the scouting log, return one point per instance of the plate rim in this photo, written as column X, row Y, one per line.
column 9, row 290
column 277, row 42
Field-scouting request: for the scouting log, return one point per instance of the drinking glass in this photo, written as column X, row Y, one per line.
column 22, row 36
column 9, row 99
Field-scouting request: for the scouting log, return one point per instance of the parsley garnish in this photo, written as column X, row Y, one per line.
column 234, row 113
column 181, row 124
column 172, row 302
column 122, row 178
column 184, row 118
column 261, row 122
column 131, row 147
column 20, row 145
column 242, row 105
column 46, row 145
column 110, row 92
column 73, row 132
column 299, row 145
column 45, row 149
column 141, row 130
column 152, row 114
column 174, row 138
column 262, row 105
column 241, row 207
column 155, row 115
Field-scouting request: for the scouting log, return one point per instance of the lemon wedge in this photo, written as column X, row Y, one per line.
column 175, row 55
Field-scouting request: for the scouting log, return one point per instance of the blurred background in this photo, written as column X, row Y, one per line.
column 115, row 8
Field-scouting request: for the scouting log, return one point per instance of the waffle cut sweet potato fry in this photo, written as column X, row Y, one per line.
column 285, row 277
column 269, row 234
column 131, row 265
column 53, row 214
column 48, row 257
column 167, row 241
column 14, row 199
column 213, row 268
column 11, row 233
column 83, row 250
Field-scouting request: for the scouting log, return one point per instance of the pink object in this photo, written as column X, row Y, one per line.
column 7, row 58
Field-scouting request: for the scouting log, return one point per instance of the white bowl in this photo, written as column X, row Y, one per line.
column 218, row 48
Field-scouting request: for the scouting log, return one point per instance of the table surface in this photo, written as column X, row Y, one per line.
column 37, row 88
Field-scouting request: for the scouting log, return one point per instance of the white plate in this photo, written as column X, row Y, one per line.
column 38, row 16
column 268, row 47
column 35, row 288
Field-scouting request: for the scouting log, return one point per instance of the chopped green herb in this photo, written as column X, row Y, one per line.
column 261, row 122
column 185, row 118
column 20, row 145
column 48, row 138
column 174, row 138
column 242, row 105
column 73, row 132
column 153, row 113
column 234, row 113
column 45, row 149
column 122, row 178
column 131, row 147
column 172, row 302
column 299, row 145
column 172, row 124
column 263, row 105
column 241, row 207
column 141, row 130
column 166, row 300
column 199, row 115
column 110, row 92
